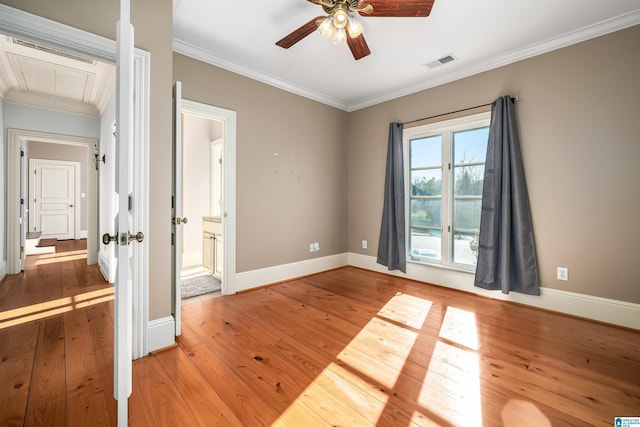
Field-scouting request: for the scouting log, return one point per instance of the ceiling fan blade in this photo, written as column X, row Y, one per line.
column 300, row 33
column 358, row 46
column 398, row 8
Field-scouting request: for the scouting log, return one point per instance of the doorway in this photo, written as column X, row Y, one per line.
column 202, row 249
column 225, row 245
column 54, row 198
column 43, row 31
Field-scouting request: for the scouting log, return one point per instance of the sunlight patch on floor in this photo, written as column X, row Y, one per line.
column 41, row 310
column 451, row 388
column 331, row 396
column 65, row 258
column 407, row 310
column 459, row 326
column 367, row 353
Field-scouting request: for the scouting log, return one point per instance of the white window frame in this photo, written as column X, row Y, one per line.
column 446, row 129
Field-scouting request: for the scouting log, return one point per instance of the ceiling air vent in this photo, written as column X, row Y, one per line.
column 441, row 61
column 51, row 50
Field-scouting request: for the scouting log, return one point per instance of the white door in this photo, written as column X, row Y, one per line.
column 53, row 198
column 123, row 303
column 176, row 202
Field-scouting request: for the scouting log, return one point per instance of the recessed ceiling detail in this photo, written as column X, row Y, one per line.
column 45, row 77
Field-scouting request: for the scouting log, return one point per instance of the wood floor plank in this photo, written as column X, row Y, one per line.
column 99, row 317
column 204, row 403
column 86, row 399
column 16, row 365
column 248, row 407
column 167, row 407
column 47, row 395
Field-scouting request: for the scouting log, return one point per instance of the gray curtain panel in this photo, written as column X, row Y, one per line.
column 391, row 247
column 506, row 251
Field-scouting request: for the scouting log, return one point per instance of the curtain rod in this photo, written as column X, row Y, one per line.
column 513, row 99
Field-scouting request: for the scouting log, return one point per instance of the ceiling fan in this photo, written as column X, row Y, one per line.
column 339, row 24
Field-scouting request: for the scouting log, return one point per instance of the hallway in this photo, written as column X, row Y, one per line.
column 56, row 342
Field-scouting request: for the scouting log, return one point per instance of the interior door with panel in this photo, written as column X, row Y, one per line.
column 177, row 220
column 53, row 197
column 123, row 301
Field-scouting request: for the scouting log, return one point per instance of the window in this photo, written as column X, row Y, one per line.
column 445, row 173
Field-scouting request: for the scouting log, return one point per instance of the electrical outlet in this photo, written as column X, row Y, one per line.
column 364, row 244
column 311, row 247
column 316, row 247
column 563, row 273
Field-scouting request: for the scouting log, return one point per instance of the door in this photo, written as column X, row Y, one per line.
column 52, row 193
column 176, row 205
column 123, row 301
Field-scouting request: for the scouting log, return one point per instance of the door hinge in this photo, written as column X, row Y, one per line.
column 130, row 202
column 449, row 166
column 21, row 153
column 22, row 201
column 172, row 239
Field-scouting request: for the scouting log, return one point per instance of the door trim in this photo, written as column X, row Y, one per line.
column 17, row 139
column 21, row 24
column 228, row 117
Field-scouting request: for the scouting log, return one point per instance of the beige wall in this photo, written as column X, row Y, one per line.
column 152, row 20
column 288, row 200
column 197, row 134
column 579, row 125
column 579, row 117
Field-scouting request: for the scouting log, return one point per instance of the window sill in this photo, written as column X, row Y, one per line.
column 471, row 270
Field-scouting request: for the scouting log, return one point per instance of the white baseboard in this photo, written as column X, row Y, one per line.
column 266, row 276
column 83, row 234
column 160, row 333
column 596, row 308
column 104, row 266
column 3, row 269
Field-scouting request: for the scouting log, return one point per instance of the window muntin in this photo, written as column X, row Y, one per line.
column 445, row 174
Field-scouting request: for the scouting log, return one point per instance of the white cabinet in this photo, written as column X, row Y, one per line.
column 217, row 259
column 208, row 251
column 212, row 252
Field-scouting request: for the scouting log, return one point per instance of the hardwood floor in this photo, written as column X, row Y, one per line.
column 346, row 347
column 56, row 342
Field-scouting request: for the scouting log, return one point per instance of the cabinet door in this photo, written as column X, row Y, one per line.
column 218, row 257
column 208, row 251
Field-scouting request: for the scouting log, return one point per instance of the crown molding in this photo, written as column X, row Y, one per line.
column 20, row 24
column 203, row 55
column 582, row 34
column 567, row 39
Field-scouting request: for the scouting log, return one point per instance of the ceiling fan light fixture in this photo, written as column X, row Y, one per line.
column 326, row 27
column 340, row 36
column 354, row 27
column 340, row 17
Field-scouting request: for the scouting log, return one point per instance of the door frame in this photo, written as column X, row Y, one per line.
column 77, row 190
column 228, row 118
column 17, row 141
column 21, row 24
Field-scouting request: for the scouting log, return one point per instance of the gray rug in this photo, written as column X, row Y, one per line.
column 199, row 285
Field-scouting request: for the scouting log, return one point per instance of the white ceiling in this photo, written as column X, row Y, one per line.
column 240, row 36
column 37, row 75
